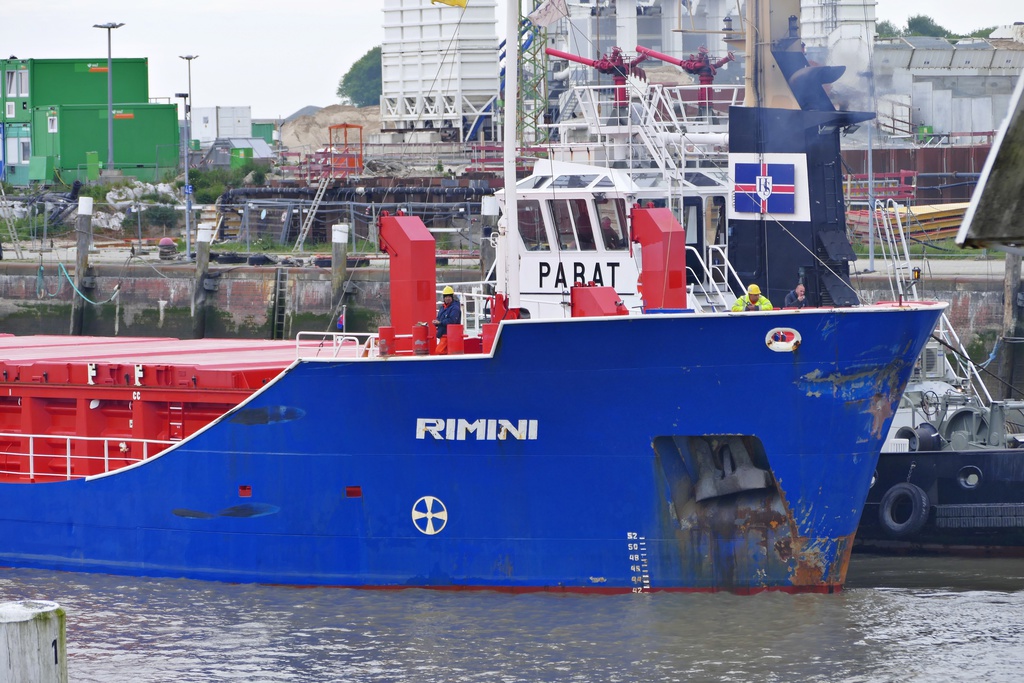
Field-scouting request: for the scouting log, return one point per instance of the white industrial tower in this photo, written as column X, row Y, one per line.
column 439, row 69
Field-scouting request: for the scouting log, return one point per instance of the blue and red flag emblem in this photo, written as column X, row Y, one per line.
column 765, row 188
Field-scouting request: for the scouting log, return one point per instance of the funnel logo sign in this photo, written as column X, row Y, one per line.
column 772, row 183
column 765, row 188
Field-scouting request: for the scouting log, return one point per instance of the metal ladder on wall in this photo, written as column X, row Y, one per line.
column 308, row 223
column 8, row 211
column 280, row 299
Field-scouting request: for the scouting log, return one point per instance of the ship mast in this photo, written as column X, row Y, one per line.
column 509, row 257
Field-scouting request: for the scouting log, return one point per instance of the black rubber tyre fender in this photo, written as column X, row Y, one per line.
column 899, row 494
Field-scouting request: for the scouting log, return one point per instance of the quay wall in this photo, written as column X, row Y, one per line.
column 975, row 305
column 157, row 302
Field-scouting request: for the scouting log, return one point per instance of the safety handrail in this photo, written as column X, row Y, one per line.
column 336, row 345
column 38, row 446
column 709, row 285
column 895, row 250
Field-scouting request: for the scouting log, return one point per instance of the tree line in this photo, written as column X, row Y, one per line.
column 921, row 25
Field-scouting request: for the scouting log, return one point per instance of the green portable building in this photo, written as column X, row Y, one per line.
column 146, row 143
column 32, row 83
column 28, row 86
column 264, row 130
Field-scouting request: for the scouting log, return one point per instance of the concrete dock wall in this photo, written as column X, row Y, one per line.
column 152, row 302
column 158, row 302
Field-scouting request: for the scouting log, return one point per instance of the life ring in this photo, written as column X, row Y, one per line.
column 895, row 502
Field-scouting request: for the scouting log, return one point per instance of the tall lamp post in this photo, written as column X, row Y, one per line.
column 188, row 185
column 110, row 26
column 188, row 144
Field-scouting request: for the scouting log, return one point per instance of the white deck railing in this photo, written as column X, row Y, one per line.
column 50, row 449
column 336, row 345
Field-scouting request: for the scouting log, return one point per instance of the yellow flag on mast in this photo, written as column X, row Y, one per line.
column 453, row 3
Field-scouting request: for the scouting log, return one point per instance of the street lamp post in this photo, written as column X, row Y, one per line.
column 188, row 143
column 109, row 26
column 188, row 186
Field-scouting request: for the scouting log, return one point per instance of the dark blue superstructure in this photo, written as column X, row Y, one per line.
column 625, row 454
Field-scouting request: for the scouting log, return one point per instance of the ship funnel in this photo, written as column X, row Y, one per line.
column 807, row 84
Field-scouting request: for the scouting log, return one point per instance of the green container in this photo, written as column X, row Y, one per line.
column 264, row 131
column 73, row 81
column 194, row 145
column 146, row 143
column 240, row 157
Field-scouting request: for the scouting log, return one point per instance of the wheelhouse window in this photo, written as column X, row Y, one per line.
column 584, row 226
column 573, row 225
column 531, row 226
column 533, row 182
column 573, row 181
column 564, row 233
column 612, row 219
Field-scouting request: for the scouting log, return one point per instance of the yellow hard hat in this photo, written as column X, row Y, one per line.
column 753, row 289
column 447, row 290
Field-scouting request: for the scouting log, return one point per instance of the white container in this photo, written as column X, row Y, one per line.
column 210, row 123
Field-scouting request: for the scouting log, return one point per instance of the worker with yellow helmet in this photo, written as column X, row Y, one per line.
column 450, row 313
column 752, row 301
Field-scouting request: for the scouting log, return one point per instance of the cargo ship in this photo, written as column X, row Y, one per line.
column 596, row 435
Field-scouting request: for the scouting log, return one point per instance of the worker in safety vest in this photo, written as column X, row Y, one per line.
column 752, row 301
column 450, row 313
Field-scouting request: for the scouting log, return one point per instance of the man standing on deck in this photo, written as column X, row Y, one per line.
column 450, row 313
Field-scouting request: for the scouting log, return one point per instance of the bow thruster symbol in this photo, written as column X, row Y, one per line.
column 429, row 515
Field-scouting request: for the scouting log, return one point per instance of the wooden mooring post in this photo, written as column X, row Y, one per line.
column 34, row 642
column 339, row 262
column 83, row 240
column 204, row 235
column 1009, row 358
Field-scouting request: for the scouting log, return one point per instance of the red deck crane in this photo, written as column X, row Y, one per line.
column 699, row 65
column 613, row 64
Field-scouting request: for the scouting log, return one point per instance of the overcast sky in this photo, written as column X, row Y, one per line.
column 280, row 56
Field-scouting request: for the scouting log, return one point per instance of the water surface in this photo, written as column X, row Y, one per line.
column 901, row 619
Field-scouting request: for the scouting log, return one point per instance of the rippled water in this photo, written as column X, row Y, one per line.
column 902, row 619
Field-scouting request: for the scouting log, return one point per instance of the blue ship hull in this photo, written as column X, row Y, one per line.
column 674, row 452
